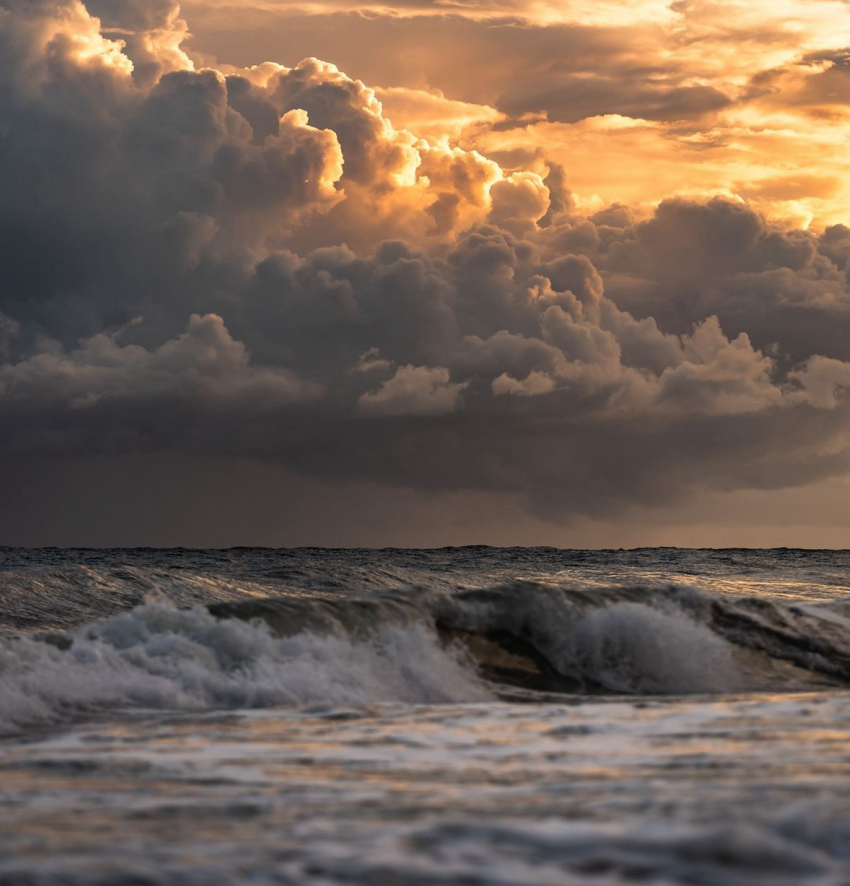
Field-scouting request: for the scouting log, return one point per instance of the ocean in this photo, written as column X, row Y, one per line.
column 462, row 716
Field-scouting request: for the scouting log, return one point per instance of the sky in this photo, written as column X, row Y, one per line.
column 422, row 273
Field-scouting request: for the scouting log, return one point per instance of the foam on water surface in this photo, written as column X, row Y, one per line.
column 732, row 791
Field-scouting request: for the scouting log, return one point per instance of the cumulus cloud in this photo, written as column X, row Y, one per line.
column 824, row 381
column 202, row 364
column 414, row 390
column 533, row 385
column 638, row 98
column 257, row 263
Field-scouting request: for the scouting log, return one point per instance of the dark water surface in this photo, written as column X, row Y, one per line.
column 458, row 716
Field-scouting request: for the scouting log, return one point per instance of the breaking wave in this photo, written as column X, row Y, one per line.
column 649, row 640
column 160, row 657
column 518, row 641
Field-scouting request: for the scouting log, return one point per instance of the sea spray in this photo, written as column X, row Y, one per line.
column 159, row 656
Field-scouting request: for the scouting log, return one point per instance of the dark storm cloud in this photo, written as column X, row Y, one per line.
column 784, row 288
column 201, row 264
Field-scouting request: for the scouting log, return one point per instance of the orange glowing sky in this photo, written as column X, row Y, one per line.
column 639, row 99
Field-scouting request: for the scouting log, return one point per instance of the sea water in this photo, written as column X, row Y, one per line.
column 461, row 716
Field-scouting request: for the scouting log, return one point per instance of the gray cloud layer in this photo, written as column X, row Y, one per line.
column 260, row 266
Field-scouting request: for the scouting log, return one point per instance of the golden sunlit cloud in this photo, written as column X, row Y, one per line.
column 541, row 12
column 705, row 96
column 432, row 115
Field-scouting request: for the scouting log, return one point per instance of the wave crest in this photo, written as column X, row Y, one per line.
column 512, row 641
column 634, row 649
column 158, row 656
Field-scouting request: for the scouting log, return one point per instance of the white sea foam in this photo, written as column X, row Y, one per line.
column 664, row 645
column 630, row 648
column 158, row 656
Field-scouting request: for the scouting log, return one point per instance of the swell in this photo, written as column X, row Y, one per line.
column 516, row 641
column 632, row 640
column 670, row 639
column 62, row 589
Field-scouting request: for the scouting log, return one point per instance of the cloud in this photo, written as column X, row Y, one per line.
column 824, row 381
column 542, row 11
column 716, row 96
column 203, row 364
column 414, row 390
column 257, row 264
column 783, row 288
column 533, row 385
column 432, row 115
